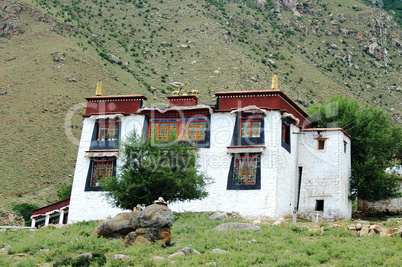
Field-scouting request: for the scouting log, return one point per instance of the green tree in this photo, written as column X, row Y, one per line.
column 151, row 170
column 64, row 191
column 375, row 145
column 25, row 210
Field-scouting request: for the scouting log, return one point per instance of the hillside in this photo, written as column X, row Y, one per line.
column 52, row 53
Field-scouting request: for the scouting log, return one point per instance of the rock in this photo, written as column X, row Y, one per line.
column 220, row 216
column 184, row 252
column 279, row 221
column 113, row 58
column 150, row 234
column 12, row 220
column 158, row 258
column 364, row 231
column 120, row 257
column 219, row 251
column 156, row 215
column 5, row 250
column 377, row 229
column 211, row 263
column 84, row 255
column 362, row 222
column 47, row 264
column 46, row 250
column 21, row 255
column 238, row 226
column 118, row 226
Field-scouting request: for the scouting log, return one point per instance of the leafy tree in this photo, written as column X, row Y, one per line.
column 151, row 170
column 64, row 191
column 375, row 145
column 25, row 210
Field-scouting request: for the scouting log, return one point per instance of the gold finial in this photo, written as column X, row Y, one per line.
column 99, row 87
column 274, row 82
column 186, row 87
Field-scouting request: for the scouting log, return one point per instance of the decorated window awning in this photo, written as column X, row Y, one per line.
column 244, row 149
column 252, row 109
column 108, row 116
column 291, row 117
column 178, row 111
column 100, row 154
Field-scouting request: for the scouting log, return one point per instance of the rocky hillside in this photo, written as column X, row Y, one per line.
column 53, row 52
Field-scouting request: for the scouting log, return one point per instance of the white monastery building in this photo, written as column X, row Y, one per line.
column 257, row 147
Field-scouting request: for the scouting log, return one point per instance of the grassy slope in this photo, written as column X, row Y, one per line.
column 275, row 246
column 226, row 49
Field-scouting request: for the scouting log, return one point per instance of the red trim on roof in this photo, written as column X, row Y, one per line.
column 51, row 207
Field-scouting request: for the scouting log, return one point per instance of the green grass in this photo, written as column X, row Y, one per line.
column 275, row 246
column 231, row 37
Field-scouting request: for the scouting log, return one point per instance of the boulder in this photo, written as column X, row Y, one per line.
column 185, row 252
column 279, row 221
column 120, row 257
column 150, row 234
column 364, row 231
column 118, row 226
column 238, row 226
column 156, row 215
column 220, row 216
column 219, row 251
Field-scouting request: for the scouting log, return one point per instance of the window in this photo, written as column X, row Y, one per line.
column 249, row 130
column 244, row 172
column 108, row 129
column 285, row 135
column 105, row 134
column 100, row 169
column 321, row 143
column 250, row 126
column 193, row 129
column 319, row 205
column 345, row 145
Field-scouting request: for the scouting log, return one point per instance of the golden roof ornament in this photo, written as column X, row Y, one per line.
column 99, row 88
column 185, row 90
column 274, row 82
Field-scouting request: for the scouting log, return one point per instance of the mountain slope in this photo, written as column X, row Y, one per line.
column 53, row 53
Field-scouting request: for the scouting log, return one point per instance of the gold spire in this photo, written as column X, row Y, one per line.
column 274, row 82
column 99, row 87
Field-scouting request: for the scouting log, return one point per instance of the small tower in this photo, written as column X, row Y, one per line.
column 99, row 88
column 274, row 82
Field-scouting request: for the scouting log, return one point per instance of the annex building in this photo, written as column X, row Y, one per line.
column 256, row 146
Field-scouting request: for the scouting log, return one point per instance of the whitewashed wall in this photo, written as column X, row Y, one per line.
column 325, row 175
column 92, row 205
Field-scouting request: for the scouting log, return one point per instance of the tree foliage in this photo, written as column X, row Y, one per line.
column 151, row 170
column 375, row 145
column 64, row 191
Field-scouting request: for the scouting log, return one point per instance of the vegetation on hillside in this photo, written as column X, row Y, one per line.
column 375, row 145
column 318, row 49
column 275, row 246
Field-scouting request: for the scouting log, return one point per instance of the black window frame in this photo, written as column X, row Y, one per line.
column 88, row 186
column 231, row 186
column 97, row 144
column 238, row 140
column 286, row 144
